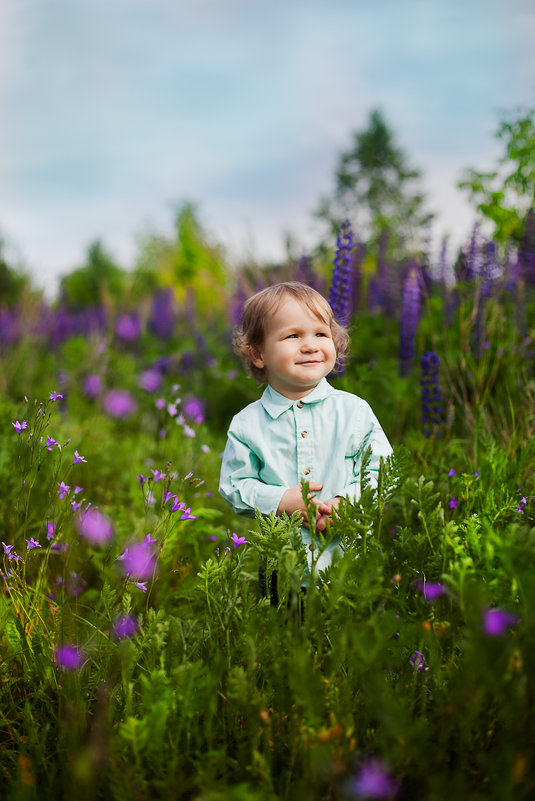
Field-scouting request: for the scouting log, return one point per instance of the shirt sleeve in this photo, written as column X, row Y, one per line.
column 240, row 484
column 372, row 436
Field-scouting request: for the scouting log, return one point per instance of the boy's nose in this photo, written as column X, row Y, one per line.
column 309, row 343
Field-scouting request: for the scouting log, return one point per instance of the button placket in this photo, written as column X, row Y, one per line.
column 305, row 447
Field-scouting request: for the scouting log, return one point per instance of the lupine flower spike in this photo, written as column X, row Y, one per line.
column 340, row 295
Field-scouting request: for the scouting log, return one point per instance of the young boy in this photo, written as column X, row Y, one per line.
column 301, row 427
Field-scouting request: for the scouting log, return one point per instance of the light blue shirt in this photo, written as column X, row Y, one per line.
column 275, row 442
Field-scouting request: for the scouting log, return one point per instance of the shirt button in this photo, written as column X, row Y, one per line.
column 304, row 434
column 299, row 404
column 306, row 471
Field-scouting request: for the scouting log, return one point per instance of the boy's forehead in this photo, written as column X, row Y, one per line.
column 291, row 307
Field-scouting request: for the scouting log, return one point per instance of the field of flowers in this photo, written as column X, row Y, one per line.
column 148, row 650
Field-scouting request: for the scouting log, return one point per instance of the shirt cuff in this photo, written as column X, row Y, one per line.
column 268, row 498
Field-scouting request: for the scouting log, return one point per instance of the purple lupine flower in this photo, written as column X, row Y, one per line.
column 119, row 403
column 54, row 396
column 128, row 327
column 163, row 314
column 237, row 541
column 19, row 427
column 409, row 319
column 31, row 543
column 68, row 657
column 373, row 781
column 431, row 396
column 95, row 526
column 125, row 626
column 431, row 590
column 92, row 385
column 340, row 292
column 497, row 621
column 77, row 458
column 138, row 560
column 63, row 490
column 150, row 380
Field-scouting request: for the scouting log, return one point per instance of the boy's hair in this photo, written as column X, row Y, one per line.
column 249, row 337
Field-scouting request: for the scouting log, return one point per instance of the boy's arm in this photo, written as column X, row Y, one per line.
column 240, row 484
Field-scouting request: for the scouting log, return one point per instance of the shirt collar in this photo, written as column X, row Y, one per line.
column 275, row 404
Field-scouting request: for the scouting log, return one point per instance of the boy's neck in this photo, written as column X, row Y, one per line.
column 295, row 395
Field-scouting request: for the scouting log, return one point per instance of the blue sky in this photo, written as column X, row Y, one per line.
column 115, row 111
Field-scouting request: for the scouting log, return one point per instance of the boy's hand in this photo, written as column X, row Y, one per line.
column 325, row 509
column 292, row 500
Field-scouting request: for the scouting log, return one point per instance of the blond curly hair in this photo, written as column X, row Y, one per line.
column 249, row 337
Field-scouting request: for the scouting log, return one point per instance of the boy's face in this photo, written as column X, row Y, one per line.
column 298, row 349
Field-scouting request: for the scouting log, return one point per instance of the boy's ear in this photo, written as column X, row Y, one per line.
column 257, row 358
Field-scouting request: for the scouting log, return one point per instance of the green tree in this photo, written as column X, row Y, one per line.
column 505, row 194
column 375, row 189
column 188, row 263
column 98, row 280
column 13, row 283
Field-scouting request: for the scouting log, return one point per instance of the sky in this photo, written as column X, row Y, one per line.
column 114, row 112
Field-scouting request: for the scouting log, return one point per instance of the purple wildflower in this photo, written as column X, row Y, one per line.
column 19, row 427
column 454, row 503
column 8, row 552
column 141, row 479
column 75, row 505
column 452, row 473
column 141, row 585
column 187, row 515
column 431, row 590
column 78, row 489
column 31, row 543
column 149, row 540
column 93, row 385
column 54, row 396
column 417, row 661
column 157, row 476
column 64, row 489
column 138, row 560
column 95, row 526
column 77, row 458
column 237, row 541
column 194, row 409
column 68, row 657
column 160, row 404
column 119, row 403
column 50, row 529
column 340, row 293
column 150, row 380
column 373, row 781
column 496, row 621
column 125, row 626
column 50, row 442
